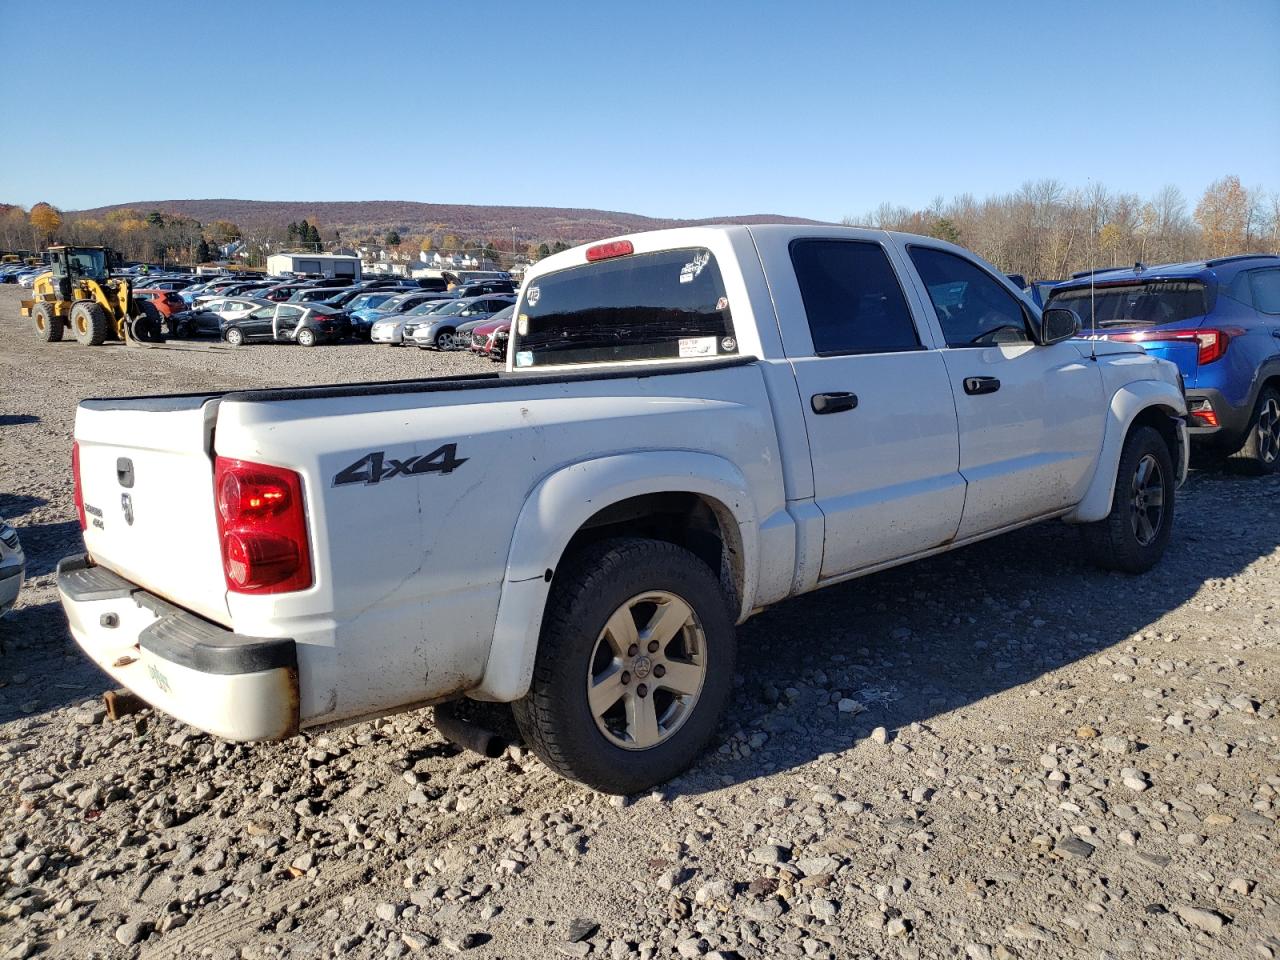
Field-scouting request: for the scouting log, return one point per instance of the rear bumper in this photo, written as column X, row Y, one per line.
column 227, row 684
column 1233, row 422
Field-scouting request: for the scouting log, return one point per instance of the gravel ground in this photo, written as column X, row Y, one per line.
column 997, row 753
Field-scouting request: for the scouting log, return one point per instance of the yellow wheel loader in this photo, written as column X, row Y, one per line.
column 79, row 294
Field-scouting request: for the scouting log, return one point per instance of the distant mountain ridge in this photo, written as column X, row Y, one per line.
column 374, row 217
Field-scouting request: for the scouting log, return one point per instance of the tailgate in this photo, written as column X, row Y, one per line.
column 147, row 478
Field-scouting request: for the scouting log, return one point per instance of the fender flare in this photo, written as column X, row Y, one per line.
column 1127, row 403
column 557, row 508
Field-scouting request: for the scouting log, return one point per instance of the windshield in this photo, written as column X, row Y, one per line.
column 429, row 306
column 651, row 306
column 87, row 263
column 452, row 308
column 1145, row 303
column 368, row 300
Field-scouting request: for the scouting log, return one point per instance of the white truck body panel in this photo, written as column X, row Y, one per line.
column 430, row 586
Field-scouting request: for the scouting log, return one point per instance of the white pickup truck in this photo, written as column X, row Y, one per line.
column 694, row 424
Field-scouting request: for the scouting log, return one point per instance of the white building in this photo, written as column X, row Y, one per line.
column 321, row 264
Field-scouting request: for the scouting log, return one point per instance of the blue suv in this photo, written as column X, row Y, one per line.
column 1219, row 321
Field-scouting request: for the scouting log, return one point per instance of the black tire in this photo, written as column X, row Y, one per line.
column 1122, row 541
column 306, row 338
column 148, row 325
column 1259, row 455
column 440, row 343
column 49, row 326
column 555, row 716
column 234, row 336
column 90, row 323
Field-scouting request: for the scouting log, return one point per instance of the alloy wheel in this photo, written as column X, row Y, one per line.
column 646, row 670
column 1146, row 500
column 1269, row 431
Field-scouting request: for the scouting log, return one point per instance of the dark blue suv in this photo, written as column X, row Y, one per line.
column 1219, row 321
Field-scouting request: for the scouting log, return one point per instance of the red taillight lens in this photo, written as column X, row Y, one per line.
column 262, row 525
column 604, row 251
column 1212, row 344
column 75, row 474
column 1202, row 410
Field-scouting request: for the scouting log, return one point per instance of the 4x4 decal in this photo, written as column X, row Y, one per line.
column 376, row 467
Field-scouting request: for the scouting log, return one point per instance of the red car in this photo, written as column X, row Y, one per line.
column 168, row 302
column 484, row 336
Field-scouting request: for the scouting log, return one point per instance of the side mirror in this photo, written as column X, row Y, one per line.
column 1058, row 324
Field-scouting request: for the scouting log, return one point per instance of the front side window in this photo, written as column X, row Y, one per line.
column 666, row 305
column 973, row 308
column 852, row 298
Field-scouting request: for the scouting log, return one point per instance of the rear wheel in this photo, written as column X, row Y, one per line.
column 48, row 324
column 90, row 323
column 306, row 338
column 1134, row 535
column 1260, row 453
column 634, row 666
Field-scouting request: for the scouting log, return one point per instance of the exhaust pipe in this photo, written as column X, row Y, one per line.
column 468, row 735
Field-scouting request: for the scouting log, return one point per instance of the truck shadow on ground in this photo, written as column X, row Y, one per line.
column 47, row 543
column 14, row 505
column 943, row 634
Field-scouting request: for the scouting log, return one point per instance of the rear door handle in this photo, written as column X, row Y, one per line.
column 976, row 386
column 833, row 402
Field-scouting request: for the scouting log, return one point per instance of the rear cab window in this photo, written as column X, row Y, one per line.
column 665, row 305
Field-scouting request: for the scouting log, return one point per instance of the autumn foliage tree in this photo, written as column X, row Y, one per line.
column 45, row 220
column 1223, row 214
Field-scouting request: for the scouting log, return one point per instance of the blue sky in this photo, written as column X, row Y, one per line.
column 686, row 109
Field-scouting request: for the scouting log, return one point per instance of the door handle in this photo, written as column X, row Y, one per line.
column 833, row 402
column 976, row 386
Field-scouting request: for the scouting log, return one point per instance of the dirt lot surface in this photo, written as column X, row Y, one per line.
column 997, row 753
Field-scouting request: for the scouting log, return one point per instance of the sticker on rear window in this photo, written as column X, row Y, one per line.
column 524, row 358
column 698, row 347
column 522, row 325
column 532, row 296
column 694, row 267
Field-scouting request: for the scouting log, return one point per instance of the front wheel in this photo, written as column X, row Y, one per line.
column 234, row 336
column 1133, row 536
column 47, row 323
column 634, row 666
column 445, row 340
column 1259, row 455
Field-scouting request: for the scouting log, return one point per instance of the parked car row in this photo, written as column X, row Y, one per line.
column 23, row 274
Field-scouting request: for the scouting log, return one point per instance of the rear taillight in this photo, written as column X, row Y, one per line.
column 1212, row 344
column 75, row 474
column 1202, row 411
column 605, row 251
column 262, row 526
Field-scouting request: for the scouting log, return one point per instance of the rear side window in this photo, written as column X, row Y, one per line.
column 1239, row 290
column 852, row 298
column 1266, row 290
column 647, row 306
